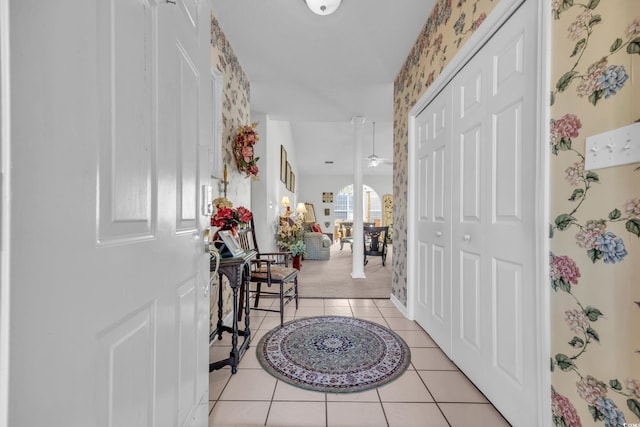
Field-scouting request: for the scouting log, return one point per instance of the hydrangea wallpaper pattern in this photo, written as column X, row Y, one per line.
column 596, row 217
column 235, row 112
column 595, row 249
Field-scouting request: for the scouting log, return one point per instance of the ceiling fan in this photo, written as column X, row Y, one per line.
column 373, row 160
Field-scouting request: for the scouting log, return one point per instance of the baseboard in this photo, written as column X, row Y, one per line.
column 401, row 307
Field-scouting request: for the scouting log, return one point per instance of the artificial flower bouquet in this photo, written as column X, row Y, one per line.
column 243, row 150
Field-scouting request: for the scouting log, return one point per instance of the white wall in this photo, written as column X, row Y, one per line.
column 267, row 193
column 311, row 188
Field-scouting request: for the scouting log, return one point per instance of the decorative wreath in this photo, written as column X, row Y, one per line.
column 243, row 150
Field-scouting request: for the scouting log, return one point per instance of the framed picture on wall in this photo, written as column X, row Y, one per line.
column 327, row 197
column 292, row 185
column 287, row 177
column 327, row 211
column 283, row 164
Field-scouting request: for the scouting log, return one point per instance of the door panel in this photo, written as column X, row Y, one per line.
column 507, row 164
column 507, row 318
column 126, row 36
column 187, row 143
column 470, row 304
column 129, row 351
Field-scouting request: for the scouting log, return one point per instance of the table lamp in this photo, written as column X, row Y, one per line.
column 301, row 209
column 286, row 203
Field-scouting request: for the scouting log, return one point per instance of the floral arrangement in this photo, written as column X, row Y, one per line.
column 290, row 235
column 243, row 150
column 226, row 217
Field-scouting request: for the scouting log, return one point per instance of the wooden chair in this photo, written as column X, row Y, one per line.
column 270, row 268
column 375, row 242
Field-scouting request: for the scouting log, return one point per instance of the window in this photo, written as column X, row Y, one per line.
column 372, row 206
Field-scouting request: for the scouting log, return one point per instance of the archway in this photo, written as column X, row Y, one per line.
column 372, row 205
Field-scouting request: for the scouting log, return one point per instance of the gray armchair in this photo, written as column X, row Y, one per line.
column 318, row 245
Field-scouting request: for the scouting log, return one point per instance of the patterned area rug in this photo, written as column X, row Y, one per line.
column 333, row 354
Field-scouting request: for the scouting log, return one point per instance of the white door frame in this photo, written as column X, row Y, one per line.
column 4, row 211
column 501, row 12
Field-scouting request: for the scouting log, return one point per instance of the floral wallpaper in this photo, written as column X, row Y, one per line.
column 594, row 234
column 596, row 217
column 235, row 113
column 449, row 25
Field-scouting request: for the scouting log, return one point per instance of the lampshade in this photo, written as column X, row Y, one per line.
column 285, row 201
column 301, row 208
column 323, row 7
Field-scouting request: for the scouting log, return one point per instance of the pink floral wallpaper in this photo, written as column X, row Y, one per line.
column 449, row 25
column 595, row 290
column 235, row 113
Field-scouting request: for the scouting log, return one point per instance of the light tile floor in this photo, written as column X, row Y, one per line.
column 431, row 393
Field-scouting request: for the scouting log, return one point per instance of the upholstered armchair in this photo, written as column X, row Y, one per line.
column 318, row 245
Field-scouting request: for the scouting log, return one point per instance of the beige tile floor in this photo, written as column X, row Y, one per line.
column 431, row 393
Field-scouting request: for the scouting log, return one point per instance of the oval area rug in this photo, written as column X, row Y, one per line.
column 333, row 354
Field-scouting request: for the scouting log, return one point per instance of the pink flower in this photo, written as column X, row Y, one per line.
column 632, row 207
column 563, row 267
column 478, row 21
column 579, row 25
column 564, row 409
column 244, row 214
column 587, row 238
column 590, row 83
column 574, row 174
column 590, row 389
column 632, row 386
column 247, row 154
column 576, row 320
column 634, row 27
column 567, row 126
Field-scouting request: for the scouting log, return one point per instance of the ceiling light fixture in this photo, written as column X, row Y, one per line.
column 373, row 159
column 323, row 7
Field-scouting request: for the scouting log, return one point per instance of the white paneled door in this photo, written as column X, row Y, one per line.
column 433, row 221
column 109, row 278
column 487, row 285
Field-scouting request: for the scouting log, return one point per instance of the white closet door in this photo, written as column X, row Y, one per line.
column 493, row 229
column 433, row 222
column 476, row 251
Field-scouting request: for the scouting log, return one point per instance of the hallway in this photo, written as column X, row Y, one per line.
column 431, row 393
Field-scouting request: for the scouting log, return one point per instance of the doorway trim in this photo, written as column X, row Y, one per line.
column 5, row 137
column 496, row 18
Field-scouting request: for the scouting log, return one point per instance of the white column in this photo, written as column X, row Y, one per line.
column 357, row 269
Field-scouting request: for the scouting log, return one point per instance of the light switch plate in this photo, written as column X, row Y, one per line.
column 613, row 148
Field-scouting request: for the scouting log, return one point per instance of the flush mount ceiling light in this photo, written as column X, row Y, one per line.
column 323, row 7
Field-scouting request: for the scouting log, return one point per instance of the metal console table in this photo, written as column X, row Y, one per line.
column 236, row 270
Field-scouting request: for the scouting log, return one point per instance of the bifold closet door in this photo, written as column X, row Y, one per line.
column 493, row 124
column 475, row 163
column 433, row 222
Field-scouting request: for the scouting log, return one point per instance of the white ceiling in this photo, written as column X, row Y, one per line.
column 319, row 71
